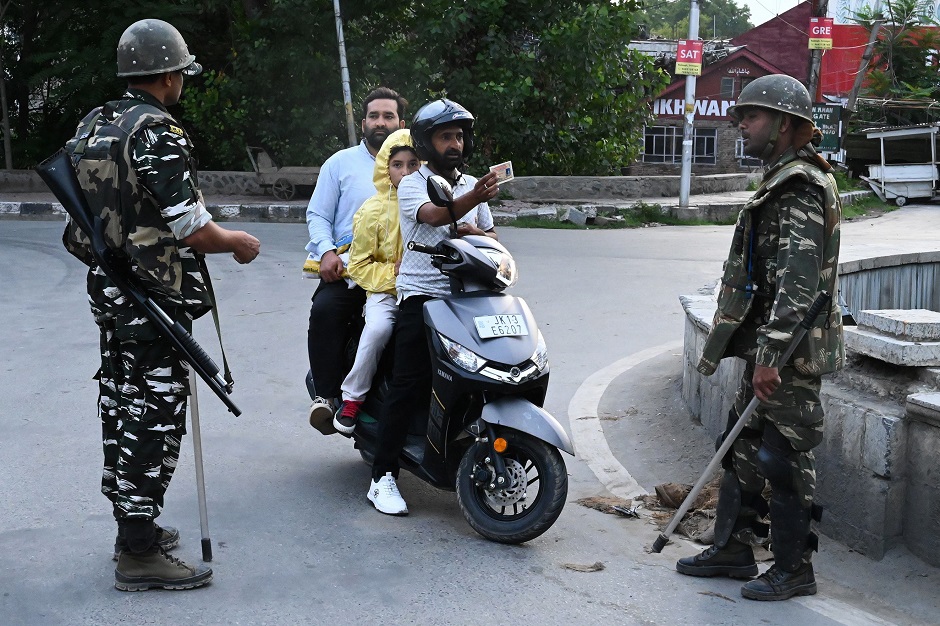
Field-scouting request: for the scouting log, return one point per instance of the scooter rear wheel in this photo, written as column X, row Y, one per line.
column 529, row 506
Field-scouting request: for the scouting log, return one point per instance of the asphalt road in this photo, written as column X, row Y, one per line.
column 294, row 538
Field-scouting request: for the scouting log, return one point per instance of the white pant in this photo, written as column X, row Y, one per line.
column 380, row 319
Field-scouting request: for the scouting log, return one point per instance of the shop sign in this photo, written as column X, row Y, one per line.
column 703, row 108
column 827, row 118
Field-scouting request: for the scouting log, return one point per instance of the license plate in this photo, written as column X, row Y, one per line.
column 489, row 326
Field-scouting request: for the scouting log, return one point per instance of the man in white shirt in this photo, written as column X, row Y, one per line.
column 442, row 132
column 344, row 183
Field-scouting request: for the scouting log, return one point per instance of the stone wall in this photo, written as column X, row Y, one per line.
column 230, row 184
column 529, row 188
column 725, row 160
column 615, row 188
column 21, row 181
column 922, row 501
column 708, row 397
column 211, row 183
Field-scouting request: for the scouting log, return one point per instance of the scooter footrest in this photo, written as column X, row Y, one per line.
column 414, row 448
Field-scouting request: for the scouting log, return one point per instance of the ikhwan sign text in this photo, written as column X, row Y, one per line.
column 703, row 108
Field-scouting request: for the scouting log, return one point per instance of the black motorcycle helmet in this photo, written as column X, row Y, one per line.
column 435, row 114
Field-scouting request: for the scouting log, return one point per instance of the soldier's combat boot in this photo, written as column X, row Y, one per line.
column 779, row 584
column 792, row 543
column 735, row 560
column 167, row 538
column 157, row 569
column 728, row 556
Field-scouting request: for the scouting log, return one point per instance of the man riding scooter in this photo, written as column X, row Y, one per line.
column 442, row 132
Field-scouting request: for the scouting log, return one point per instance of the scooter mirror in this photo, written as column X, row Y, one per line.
column 440, row 191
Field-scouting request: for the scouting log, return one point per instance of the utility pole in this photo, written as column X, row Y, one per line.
column 7, row 149
column 344, row 73
column 685, row 180
column 820, row 8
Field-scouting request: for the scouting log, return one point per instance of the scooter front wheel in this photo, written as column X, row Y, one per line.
column 531, row 503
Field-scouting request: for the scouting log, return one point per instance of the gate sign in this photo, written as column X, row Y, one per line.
column 826, row 117
column 689, row 57
column 820, row 33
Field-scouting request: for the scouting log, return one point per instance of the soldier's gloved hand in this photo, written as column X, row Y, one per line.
column 247, row 247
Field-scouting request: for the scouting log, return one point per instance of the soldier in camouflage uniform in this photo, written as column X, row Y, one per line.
column 137, row 171
column 785, row 251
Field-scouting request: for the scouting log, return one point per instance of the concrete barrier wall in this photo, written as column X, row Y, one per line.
column 897, row 281
column 877, row 466
column 553, row 188
column 230, row 184
column 26, row 181
column 922, row 502
column 532, row 188
column 708, row 397
column 211, row 183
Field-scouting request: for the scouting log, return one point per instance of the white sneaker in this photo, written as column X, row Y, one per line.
column 321, row 415
column 383, row 493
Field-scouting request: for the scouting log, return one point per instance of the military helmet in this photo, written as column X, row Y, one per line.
column 435, row 114
column 153, row 47
column 778, row 92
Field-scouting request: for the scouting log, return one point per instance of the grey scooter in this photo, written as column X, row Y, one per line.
column 485, row 434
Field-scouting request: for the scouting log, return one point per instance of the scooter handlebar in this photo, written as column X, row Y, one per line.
column 420, row 247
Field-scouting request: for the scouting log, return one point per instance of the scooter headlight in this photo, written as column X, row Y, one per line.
column 505, row 266
column 461, row 357
column 540, row 356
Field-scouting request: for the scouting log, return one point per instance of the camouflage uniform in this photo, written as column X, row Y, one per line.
column 785, row 252
column 137, row 171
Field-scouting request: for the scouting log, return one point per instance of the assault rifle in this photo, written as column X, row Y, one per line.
column 57, row 172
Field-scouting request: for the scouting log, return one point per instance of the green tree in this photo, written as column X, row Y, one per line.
column 551, row 82
column 718, row 19
column 905, row 62
column 277, row 86
column 60, row 62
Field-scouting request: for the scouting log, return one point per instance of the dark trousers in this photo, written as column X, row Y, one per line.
column 410, row 389
column 334, row 309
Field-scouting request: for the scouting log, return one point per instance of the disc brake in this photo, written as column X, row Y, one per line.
column 515, row 492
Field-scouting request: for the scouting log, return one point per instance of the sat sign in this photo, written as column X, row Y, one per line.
column 689, row 57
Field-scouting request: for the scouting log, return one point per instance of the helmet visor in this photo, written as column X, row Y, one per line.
column 193, row 69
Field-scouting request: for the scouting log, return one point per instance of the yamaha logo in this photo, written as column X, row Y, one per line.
column 444, row 375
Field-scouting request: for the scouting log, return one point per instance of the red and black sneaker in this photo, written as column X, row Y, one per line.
column 345, row 419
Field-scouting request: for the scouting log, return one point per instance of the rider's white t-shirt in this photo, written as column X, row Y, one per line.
column 417, row 276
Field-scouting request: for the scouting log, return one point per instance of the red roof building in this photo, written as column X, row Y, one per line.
column 779, row 46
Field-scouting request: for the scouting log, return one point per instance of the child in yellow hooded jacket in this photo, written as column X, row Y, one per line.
column 374, row 254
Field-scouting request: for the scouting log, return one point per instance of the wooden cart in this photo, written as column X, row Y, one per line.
column 284, row 182
column 902, row 181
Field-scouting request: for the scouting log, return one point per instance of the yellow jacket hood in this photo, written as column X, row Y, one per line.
column 380, row 177
column 377, row 244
